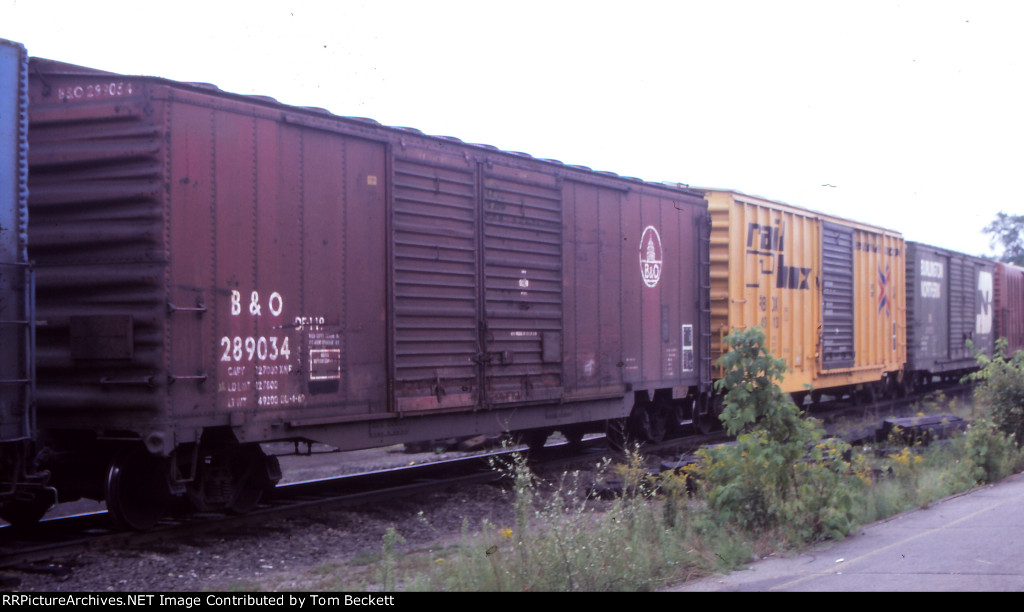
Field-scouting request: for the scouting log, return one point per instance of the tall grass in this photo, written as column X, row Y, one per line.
column 655, row 534
column 565, row 540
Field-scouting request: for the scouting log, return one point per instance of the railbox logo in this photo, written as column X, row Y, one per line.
column 767, row 244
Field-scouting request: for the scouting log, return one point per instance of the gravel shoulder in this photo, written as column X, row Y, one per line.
column 328, row 550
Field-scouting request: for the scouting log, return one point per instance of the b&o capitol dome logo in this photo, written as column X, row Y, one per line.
column 650, row 256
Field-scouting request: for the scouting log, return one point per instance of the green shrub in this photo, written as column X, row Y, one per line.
column 988, row 454
column 780, row 475
column 1001, row 390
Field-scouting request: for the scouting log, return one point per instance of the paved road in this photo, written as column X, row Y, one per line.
column 972, row 542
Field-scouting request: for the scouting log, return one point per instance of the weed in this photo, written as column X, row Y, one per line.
column 389, row 562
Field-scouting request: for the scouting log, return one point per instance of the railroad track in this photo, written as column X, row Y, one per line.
column 60, row 538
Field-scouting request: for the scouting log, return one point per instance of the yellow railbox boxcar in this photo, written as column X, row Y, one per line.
column 826, row 291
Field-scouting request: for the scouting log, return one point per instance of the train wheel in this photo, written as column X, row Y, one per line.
column 534, row 439
column 705, row 423
column 866, row 395
column 905, row 387
column 706, row 415
column 681, row 415
column 573, row 434
column 649, row 422
column 232, row 478
column 798, row 398
column 815, row 401
column 247, row 497
column 911, row 384
column 616, row 432
column 250, row 479
column 136, row 490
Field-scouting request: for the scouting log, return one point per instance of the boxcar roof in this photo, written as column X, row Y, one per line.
column 762, row 201
column 53, row 67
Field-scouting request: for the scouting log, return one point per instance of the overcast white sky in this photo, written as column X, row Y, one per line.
column 906, row 114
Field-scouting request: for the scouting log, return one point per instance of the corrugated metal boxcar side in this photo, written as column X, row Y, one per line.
column 209, row 260
column 949, row 304
column 519, row 282
column 826, row 291
column 1009, row 306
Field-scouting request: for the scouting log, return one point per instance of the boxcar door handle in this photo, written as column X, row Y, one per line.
column 146, row 381
column 172, row 308
column 171, row 378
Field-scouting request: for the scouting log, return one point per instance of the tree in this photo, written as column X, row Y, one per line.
column 1007, row 231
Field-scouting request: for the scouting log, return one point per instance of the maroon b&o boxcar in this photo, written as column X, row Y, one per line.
column 217, row 271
